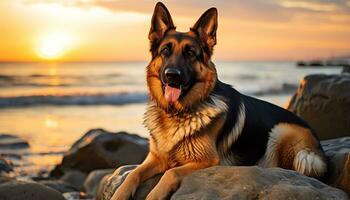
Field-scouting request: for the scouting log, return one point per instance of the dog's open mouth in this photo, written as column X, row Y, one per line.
column 172, row 93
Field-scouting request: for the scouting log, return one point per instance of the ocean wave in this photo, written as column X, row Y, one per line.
column 47, row 80
column 285, row 88
column 86, row 99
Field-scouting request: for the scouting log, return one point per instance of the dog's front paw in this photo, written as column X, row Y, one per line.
column 156, row 196
column 122, row 193
column 118, row 196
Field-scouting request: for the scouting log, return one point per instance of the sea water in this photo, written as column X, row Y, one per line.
column 51, row 105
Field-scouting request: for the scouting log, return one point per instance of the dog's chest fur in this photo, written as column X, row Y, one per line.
column 182, row 136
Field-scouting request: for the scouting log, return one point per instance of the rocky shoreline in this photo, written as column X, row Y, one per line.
column 343, row 61
column 87, row 170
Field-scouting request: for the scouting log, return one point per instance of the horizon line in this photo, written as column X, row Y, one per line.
column 137, row 61
column 342, row 56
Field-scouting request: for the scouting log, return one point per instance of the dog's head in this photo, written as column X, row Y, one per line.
column 181, row 73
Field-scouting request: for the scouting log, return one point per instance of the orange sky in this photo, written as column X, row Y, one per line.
column 107, row 30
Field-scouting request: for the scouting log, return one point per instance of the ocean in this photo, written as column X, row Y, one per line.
column 51, row 105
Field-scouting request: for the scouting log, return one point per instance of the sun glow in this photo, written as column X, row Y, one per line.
column 54, row 45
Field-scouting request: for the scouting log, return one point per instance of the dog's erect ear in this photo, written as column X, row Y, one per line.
column 206, row 27
column 161, row 22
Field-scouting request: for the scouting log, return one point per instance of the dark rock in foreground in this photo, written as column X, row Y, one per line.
column 324, row 102
column 58, row 185
column 19, row 190
column 338, row 153
column 99, row 149
column 225, row 182
column 74, row 178
column 77, row 196
column 94, row 178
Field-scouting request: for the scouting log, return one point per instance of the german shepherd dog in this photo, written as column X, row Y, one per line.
column 196, row 121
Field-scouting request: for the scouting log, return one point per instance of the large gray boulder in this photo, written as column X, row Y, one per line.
column 100, row 149
column 227, row 182
column 20, row 190
column 252, row 182
column 324, row 102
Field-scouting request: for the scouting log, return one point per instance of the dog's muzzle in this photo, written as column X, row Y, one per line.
column 173, row 77
column 173, row 86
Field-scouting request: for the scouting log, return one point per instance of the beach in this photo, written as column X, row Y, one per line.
column 51, row 105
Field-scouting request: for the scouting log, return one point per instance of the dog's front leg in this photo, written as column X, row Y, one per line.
column 172, row 178
column 150, row 167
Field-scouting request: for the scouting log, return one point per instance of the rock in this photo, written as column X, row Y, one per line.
column 110, row 183
column 93, row 180
column 274, row 183
column 346, row 69
column 333, row 62
column 324, row 102
column 222, row 182
column 338, row 153
column 74, row 178
column 12, row 142
column 58, row 185
column 5, row 178
column 301, row 64
column 20, row 190
column 5, row 165
column 77, row 196
column 227, row 182
column 99, row 149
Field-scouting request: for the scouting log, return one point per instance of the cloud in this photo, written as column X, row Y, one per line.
column 317, row 5
column 309, row 5
column 279, row 11
column 254, row 10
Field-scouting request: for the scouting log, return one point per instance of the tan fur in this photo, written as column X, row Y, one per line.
column 293, row 147
column 178, row 153
column 196, row 151
column 168, row 130
column 150, row 167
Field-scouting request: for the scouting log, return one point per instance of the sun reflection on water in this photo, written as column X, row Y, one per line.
column 51, row 123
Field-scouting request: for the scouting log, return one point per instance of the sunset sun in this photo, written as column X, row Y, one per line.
column 53, row 46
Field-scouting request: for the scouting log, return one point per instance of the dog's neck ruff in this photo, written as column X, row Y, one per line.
column 182, row 125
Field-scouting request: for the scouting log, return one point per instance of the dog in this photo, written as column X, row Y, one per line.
column 197, row 121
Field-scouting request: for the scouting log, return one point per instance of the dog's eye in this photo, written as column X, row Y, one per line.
column 166, row 50
column 190, row 52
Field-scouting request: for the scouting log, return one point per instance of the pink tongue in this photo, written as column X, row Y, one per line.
column 172, row 94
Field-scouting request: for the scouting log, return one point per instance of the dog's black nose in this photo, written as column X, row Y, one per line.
column 173, row 76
